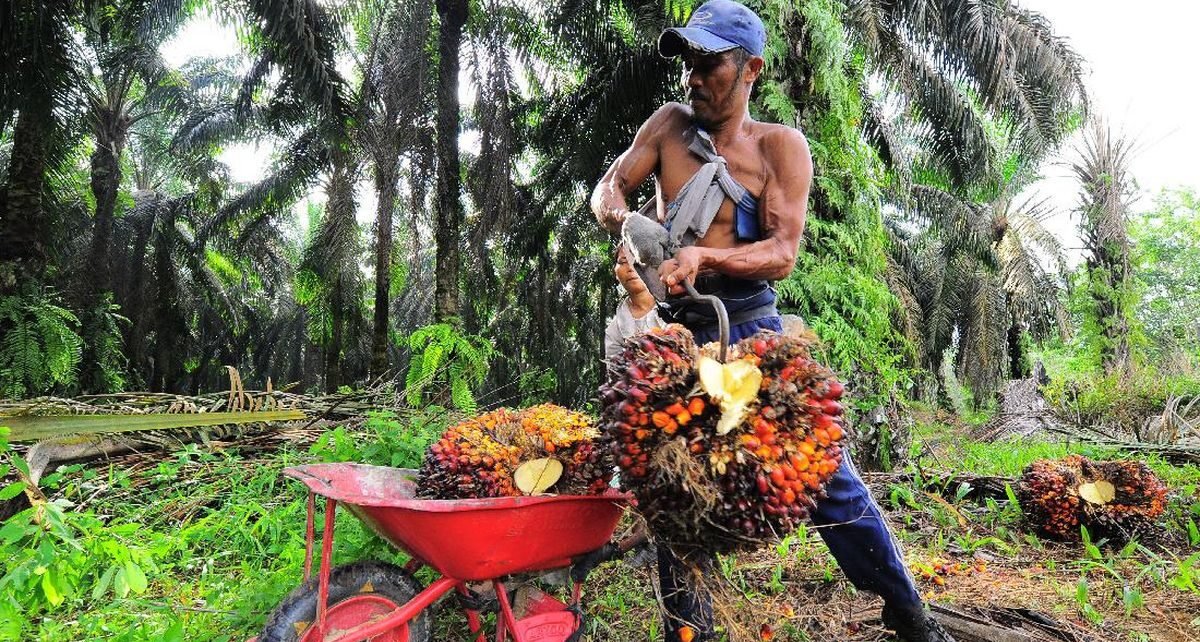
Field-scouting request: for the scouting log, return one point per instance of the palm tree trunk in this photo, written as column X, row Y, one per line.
column 22, row 221
column 106, row 181
column 453, row 16
column 135, row 340
column 333, row 351
column 343, row 298
column 1110, row 287
column 1016, row 358
column 385, row 189
column 165, row 322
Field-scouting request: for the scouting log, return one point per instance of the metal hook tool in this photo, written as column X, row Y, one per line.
column 722, row 315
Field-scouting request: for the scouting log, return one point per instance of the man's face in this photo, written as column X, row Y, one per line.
column 714, row 86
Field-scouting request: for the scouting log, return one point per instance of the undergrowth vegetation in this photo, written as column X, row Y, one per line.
column 203, row 544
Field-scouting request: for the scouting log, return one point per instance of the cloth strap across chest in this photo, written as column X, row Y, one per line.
column 695, row 207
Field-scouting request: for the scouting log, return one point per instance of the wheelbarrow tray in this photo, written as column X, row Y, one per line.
column 468, row 539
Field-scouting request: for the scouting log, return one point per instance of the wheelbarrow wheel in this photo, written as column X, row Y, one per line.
column 357, row 593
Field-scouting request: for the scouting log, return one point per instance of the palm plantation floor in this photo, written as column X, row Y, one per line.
column 219, row 535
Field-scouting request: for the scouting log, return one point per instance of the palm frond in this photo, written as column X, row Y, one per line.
column 982, row 353
column 958, row 222
column 299, row 166
column 300, row 35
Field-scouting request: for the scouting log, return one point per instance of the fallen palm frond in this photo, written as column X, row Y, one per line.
column 1178, row 422
column 34, row 428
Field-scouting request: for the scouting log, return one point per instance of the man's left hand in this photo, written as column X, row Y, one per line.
column 683, row 267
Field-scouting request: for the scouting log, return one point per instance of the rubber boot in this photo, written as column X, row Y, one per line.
column 914, row 624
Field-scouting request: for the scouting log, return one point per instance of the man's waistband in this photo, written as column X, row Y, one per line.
column 744, row 299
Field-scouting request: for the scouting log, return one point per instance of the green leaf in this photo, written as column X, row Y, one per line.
column 135, row 577
column 52, row 595
column 11, row 490
column 20, row 463
column 174, row 633
column 105, row 582
column 13, row 531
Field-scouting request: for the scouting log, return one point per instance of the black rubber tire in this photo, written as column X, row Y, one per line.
column 388, row 580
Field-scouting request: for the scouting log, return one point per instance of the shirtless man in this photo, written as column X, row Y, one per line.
column 746, row 245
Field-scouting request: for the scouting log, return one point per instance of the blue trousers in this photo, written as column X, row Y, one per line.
column 848, row 519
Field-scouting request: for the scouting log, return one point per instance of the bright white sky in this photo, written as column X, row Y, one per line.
column 1139, row 59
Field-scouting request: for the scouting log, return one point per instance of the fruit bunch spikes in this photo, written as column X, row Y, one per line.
column 480, row 456
column 723, row 456
column 1117, row 500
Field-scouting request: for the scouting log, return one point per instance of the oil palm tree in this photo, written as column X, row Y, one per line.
column 962, row 68
column 1106, row 190
column 37, row 49
column 397, row 98
column 975, row 277
column 330, row 268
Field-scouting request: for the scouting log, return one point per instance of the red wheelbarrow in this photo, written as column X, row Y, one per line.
column 475, row 540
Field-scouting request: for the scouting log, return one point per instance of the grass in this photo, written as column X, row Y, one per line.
column 218, row 538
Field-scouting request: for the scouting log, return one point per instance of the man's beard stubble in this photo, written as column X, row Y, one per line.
column 725, row 106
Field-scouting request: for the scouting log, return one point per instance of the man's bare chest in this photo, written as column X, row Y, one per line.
column 677, row 165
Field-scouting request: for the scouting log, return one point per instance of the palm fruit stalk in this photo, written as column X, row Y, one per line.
column 481, row 456
column 1116, row 500
column 722, row 456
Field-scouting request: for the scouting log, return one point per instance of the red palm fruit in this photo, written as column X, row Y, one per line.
column 751, row 470
column 799, row 463
column 476, row 457
column 1115, row 500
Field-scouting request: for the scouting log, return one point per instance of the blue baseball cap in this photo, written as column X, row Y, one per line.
column 718, row 25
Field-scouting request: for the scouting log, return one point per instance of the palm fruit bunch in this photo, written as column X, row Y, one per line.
column 722, row 456
column 506, row 453
column 1113, row 499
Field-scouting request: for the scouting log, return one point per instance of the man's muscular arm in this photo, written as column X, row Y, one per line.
column 631, row 168
column 784, row 204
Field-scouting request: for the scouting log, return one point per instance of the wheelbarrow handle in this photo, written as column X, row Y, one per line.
column 299, row 474
column 722, row 314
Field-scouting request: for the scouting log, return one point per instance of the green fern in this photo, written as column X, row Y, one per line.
column 446, row 363
column 838, row 285
column 41, row 348
column 108, row 347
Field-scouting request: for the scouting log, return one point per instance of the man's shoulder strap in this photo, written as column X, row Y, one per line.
column 697, row 203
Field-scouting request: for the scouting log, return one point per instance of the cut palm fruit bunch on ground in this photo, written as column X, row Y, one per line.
column 1117, row 500
column 722, row 456
column 505, row 453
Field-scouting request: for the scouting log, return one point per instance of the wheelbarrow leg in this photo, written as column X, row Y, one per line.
column 473, row 621
column 326, row 563
column 309, row 535
column 505, row 621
